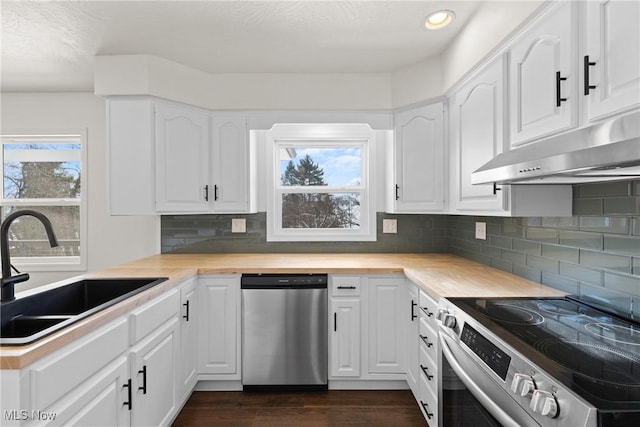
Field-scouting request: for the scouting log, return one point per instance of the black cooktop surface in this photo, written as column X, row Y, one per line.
column 595, row 354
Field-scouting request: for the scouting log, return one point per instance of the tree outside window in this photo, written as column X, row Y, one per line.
column 43, row 173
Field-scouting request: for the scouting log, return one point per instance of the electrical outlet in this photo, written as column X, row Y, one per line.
column 481, row 230
column 390, row 226
column 238, row 225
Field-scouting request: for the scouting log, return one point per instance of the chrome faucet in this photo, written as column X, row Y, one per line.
column 7, row 290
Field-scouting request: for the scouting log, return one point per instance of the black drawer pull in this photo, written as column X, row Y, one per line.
column 335, row 322
column 413, row 305
column 128, row 402
column 426, row 372
column 346, row 287
column 397, row 189
column 215, row 193
column 206, row 193
column 426, row 341
column 426, row 409
column 427, row 312
column 143, row 371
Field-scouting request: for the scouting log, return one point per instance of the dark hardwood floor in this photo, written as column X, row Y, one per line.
column 333, row 408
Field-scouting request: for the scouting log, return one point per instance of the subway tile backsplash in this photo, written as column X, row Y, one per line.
column 595, row 253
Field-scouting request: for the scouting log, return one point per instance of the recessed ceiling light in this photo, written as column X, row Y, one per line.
column 439, row 19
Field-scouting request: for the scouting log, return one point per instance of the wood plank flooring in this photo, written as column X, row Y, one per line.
column 386, row 408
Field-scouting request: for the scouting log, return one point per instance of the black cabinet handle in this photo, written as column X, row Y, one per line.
column 559, row 98
column 496, row 189
column 346, row 287
column 215, row 193
column 587, row 85
column 206, row 193
column 426, row 372
column 397, row 189
column 426, row 311
column 186, row 316
column 426, row 341
column 426, row 410
column 413, row 305
column 335, row 322
column 143, row 371
column 128, row 387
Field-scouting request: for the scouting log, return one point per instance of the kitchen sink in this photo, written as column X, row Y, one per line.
column 28, row 319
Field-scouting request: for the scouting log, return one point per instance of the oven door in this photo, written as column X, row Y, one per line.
column 471, row 397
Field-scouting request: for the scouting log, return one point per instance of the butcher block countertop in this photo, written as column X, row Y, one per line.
column 439, row 275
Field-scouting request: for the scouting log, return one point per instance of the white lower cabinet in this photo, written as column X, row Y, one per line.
column 345, row 338
column 153, row 372
column 366, row 331
column 219, row 326
column 423, row 353
column 188, row 356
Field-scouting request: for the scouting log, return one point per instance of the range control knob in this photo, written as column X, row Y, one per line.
column 544, row 403
column 523, row 385
column 449, row 320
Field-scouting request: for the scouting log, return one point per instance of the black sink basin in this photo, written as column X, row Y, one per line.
column 28, row 319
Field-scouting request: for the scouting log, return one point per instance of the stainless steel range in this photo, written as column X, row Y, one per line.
column 538, row 362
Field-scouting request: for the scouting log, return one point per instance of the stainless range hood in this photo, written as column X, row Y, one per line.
column 607, row 151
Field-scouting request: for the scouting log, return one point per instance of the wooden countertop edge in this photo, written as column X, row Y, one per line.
column 442, row 276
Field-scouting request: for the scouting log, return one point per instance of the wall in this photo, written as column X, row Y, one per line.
column 595, row 253
column 110, row 240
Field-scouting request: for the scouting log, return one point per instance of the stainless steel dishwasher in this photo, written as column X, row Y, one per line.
column 284, row 332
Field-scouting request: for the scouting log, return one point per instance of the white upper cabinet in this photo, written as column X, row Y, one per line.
column 182, row 153
column 543, row 78
column 416, row 161
column 233, row 166
column 611, row 58
column 476, row 135
column 166, row 157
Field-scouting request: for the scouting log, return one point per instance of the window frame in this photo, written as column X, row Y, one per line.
column 351, row 135
column 52, row 263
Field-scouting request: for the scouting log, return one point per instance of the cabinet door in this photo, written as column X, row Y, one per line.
column 100, row 401
column 387, row 311
column 132, row 189
column 218, row 325
column 344, row 342
column 476, row 137
column 153, row 372
column 541, row 101
column 613, row 49
column 188, row 339
column 419, row 160
column 182, row 155
column 231, row 165
column 413, row 363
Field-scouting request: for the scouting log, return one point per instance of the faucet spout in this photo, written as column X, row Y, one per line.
column 7, row 282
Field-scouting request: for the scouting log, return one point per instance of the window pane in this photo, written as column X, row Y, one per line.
column 321, row 210
column 339, row 167
column 41, row 170
column 27, row 237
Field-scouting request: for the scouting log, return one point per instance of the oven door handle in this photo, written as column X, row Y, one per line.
column 488, row 404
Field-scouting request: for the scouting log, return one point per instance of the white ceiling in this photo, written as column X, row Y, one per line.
column 50, row 45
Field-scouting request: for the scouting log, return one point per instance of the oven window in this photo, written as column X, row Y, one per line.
column 459, row 407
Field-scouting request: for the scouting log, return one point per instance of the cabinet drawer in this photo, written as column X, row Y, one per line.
column 153, row 314
column 428, row 370
column 428, row 402
column 64, row 370
column 345, row 285
column 429, row 340
column 428, row 308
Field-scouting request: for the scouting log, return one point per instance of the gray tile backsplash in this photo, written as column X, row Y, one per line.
column 595, row 253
